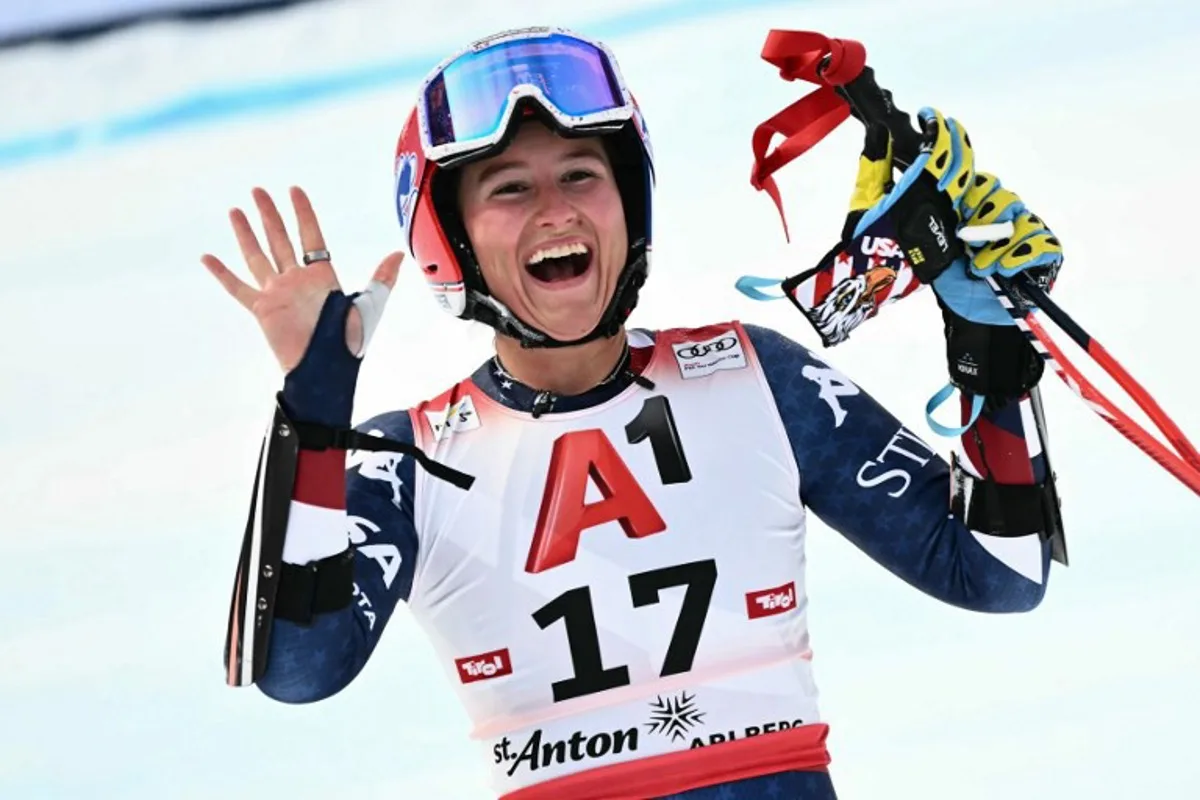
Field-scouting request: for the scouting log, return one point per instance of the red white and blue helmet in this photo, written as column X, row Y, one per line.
column 469, row 108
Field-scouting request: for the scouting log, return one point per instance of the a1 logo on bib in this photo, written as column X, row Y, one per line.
column 697, row 359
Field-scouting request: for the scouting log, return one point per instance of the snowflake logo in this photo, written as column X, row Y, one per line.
column 674, row 716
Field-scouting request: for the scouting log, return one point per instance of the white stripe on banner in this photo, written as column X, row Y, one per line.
column 1022, row 554
column 314, row 532
column 806, row 293
column 1033, row 439
column 842, row 269
column 250, row 589
column 903, row 278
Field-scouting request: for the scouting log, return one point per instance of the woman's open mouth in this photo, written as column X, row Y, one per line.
column 559, row 264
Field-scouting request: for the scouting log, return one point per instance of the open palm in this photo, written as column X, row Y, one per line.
column 289, row 297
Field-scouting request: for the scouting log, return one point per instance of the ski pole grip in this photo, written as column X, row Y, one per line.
column 871, row 103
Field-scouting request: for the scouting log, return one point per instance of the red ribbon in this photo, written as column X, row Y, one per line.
column 799, row 56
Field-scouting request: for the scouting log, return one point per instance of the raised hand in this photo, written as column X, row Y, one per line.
column 290, row 296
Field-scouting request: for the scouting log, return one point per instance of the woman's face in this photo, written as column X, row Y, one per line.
column 546, row 222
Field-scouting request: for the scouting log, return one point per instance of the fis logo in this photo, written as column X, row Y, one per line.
column 769, row 602
column 482, row 667
column 455, row 418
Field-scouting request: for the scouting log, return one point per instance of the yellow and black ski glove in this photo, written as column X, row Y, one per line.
column 940, row 223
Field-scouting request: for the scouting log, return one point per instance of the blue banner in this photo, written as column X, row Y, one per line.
column 25, row 21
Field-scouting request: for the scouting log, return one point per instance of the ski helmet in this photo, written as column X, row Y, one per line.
column 469, row 107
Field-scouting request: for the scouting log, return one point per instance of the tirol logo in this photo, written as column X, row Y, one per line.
column 768, row 602
column 697, row 359
column 538, row 752
column 484, row 666
column 406, row 187
column 674, row 716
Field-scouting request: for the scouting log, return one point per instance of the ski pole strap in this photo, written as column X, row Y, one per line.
column 812, row 57
column 320, row 437
column 751, row 286
column 1003, row 509
column 941, row 397
column 318, row 587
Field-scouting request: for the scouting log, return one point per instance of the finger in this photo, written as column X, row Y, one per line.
column 311, row 237
column 239, row 290
column 958, row 178
column 1031, row 245
column 999, row 205
column 1040, row 250
column 388, row 269
column 370, row 304
column 277, row 235
column 983, row 184
column 942, row 150
column 1023, row 228
column 874, row 169
column 260, row 266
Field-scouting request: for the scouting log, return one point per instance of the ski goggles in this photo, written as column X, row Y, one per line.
column 466, row 104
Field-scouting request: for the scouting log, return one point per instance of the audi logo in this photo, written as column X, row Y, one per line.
column 697, row 350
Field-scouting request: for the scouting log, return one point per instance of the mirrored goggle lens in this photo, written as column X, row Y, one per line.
column 466, row 101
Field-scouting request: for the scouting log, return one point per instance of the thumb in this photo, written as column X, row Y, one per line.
column 370, row 302
column 877, row 143
column 874, row 176
column 874, row 168
column 388, row 269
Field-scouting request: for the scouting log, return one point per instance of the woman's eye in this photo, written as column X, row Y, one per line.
column 509, row 188
column 576, row 175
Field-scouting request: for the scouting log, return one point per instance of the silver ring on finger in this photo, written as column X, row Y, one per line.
column 311, row 256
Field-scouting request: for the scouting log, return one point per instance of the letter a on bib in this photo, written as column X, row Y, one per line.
column 564, row 514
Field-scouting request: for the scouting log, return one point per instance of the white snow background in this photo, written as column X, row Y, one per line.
column 133, row 391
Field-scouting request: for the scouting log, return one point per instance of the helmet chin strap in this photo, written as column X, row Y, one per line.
column 492, row 312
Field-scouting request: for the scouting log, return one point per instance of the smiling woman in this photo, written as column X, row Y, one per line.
column 591, row 469
column 547, row 226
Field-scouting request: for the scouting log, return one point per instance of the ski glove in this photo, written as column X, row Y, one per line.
column 944, row 224
column 987, row 355
column 955, row 225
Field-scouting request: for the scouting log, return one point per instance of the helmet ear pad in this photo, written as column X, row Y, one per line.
column 630, row 172
column 443, row 190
